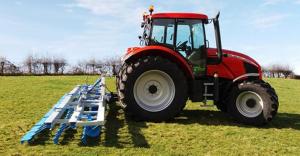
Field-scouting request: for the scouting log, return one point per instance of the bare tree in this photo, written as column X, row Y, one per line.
column 287, row 71
column 59, row 64
column 279, row 71
column 12, row 69
column 37, row 65
column 79, row 68
column 92, row 63
column 46, row 62
column 56, row 65
column 114, row 63
column 2, row 63
column 63, row 64
column 274, row 70
column 28, row 63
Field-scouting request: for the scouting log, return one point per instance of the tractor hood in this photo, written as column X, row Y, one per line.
column 232, row 54
column 234, row 65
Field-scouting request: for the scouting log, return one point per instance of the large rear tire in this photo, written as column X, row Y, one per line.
column 253, row 102
column 152, row 88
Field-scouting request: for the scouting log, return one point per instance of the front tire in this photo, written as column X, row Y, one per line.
column 153, row 88
column 253, row 103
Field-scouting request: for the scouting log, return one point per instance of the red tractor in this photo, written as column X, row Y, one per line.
column 175, row 63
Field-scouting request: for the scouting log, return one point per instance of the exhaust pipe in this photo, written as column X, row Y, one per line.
column 218, row 38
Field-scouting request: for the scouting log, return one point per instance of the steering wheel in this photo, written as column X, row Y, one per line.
column 187, row 49
column 182, row 46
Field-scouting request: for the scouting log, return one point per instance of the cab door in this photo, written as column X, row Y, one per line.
column 190, row 43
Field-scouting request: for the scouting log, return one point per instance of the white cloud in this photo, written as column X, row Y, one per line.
column 272, row 2
column 275, row 2
column 268, row 21
column 107, row 7
column 129, row 11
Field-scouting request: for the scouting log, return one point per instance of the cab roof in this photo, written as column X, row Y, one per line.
column 180, row 15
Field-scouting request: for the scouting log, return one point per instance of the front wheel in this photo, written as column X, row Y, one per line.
column 253, row 103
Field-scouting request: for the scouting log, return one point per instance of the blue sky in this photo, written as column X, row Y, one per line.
column 267, row 30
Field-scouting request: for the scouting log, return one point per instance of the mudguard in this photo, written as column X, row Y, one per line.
column 137, row 52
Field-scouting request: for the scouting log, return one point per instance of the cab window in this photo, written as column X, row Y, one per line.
column 163, row 32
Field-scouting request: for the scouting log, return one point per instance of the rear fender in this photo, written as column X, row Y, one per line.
column 135, row 53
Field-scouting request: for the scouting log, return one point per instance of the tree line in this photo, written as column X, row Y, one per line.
column 35, row 65
column 44, row 65
column 279, row 71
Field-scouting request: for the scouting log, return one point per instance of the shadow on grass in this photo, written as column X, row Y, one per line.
column 116, row 122
column 91, row 142
column 136, row 135
column 113, row 125
column 68, row 136
column 41, row 138
column 45, row 136
column 208, row 117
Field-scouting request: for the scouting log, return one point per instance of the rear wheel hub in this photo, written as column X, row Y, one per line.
column 154, row 90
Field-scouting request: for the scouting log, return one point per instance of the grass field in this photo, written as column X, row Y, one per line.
column 198, row 131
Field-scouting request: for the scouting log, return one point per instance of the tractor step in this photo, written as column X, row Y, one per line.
column 206, row 95
column 83, row 107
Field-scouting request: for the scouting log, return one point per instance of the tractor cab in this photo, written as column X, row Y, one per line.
column 184, row 33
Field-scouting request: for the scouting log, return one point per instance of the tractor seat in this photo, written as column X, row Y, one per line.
column 197, row 56
column 194, row 58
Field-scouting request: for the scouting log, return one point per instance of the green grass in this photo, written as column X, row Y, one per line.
column 198, row 131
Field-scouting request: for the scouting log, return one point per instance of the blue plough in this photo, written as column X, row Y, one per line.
column 83, row 107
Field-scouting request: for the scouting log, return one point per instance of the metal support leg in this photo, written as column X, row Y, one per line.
column 63, row 127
